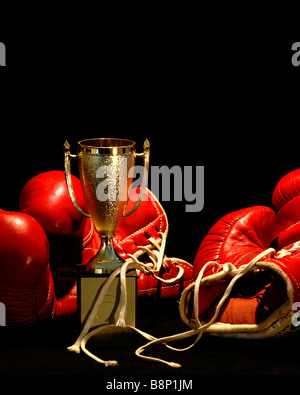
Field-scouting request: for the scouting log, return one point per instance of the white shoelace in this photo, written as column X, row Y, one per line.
column 288, row 251
column 155, row 251
column 227, row 269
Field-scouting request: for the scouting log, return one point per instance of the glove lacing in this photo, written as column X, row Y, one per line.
column 155, row 251
column 228, row 269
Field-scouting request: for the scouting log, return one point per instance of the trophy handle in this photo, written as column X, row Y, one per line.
column 146, row 156
column 68, row 157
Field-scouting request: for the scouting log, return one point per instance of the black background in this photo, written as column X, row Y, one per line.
column 210, row 87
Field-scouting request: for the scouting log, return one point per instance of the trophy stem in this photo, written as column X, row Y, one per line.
column 106, row 259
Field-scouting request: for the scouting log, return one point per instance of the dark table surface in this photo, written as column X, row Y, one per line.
column 43, row 351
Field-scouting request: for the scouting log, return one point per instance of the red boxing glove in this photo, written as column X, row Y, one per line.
column 46, row 196
column 237, row 238
column 72, row 238
column 26, row 286
column 144, row 231
column 141, row 234
column 243, row 288
column 286, row 201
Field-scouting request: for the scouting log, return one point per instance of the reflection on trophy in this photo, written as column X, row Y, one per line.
column 105, row 173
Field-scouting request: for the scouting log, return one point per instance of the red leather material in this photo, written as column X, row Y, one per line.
column 66, row 252
column 136, row 229
column 271, row 295
column 252, row 300
column 249, row 230
column 46, row 198
column 239, row 237
column 73, row 239
column 236, row 238
column 290, row 265
column 149, row 285
column 286, row 200
column 66, row 299
column 26, row 286
column 286, row 189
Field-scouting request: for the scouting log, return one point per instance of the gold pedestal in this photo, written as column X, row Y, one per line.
column 89, row 285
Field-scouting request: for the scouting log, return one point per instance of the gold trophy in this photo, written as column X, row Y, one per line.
column 105, row 169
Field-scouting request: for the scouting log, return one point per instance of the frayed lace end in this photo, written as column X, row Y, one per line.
column 74, row 348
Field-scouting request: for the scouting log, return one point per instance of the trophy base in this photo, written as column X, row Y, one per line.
column 89, row 287
column 106, row 260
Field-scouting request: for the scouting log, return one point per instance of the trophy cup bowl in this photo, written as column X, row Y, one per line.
column 104, row 167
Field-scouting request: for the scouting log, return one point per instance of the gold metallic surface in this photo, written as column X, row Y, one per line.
column 104, row 164
column 68, row 157
column 106, row 146
column 106, row 215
